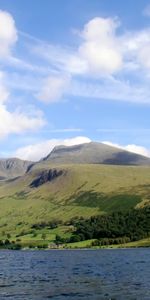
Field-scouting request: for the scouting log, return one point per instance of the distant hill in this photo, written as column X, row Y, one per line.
column 94, row 153
column 13, row 167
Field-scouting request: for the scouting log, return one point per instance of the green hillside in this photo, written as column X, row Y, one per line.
column 69, row 191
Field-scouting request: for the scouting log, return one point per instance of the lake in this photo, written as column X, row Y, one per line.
column 75, row 274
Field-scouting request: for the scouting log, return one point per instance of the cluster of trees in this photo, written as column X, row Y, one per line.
column 134, row 225
column 7, row 244
column 106, row 241
column 115, row 228
column 50, row 224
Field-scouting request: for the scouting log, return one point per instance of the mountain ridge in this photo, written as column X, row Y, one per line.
column 95, row 153
column 13, row 167
column 87, row 153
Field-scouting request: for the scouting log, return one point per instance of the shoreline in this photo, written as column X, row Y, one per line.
column 75, row 249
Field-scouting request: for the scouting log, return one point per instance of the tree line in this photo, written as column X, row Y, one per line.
column 114, row 228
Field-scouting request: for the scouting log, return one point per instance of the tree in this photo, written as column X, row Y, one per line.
column 8, row 235
column 43, row 236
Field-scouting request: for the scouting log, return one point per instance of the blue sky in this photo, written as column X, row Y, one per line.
column 73, row 70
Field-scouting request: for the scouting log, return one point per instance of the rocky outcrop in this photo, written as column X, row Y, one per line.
column 46, row 176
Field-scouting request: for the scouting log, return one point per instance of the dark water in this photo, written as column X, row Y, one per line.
column 74, row 275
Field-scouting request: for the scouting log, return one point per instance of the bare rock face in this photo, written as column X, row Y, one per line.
column 46, row 176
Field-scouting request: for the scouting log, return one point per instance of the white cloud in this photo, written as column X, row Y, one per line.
column 37, row 151
column 100, row 48
column 131, row 148
column 99, row 52
column 138, row 149
column 136, row 47
column 8, row 33
column 17, row 121
column 53, row 89
column 62, row 58
column 112, row 89
column 102, row 53
column 107, row 52
column 119, row 61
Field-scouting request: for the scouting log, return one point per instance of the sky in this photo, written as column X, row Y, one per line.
column 73, row 71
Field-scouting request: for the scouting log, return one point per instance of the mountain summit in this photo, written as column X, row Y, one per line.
column 88, row 153
column 95, row 153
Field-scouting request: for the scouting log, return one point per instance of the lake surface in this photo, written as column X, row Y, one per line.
column 74, row 275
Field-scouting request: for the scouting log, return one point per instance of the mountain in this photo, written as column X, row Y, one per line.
column 13, row 167
column 88, row 153
column 94, row 153
column 78, row 181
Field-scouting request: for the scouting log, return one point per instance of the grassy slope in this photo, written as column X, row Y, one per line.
column 83, row 190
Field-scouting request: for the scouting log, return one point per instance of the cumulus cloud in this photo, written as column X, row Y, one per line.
column 100, row 48
column 99, row 52
column 107, row 52
column 103, row 53
column 53, row 89
column 131, row 148
column 8, row 33
column 37, row 151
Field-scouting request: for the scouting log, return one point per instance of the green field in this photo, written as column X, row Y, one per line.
column 82, row 190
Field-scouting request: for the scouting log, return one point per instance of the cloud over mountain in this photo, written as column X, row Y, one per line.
column 37, row 151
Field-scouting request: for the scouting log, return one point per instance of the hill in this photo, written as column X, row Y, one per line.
column 69, row 191
column 13, row 167
column 41, row 199
column 94, row 153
